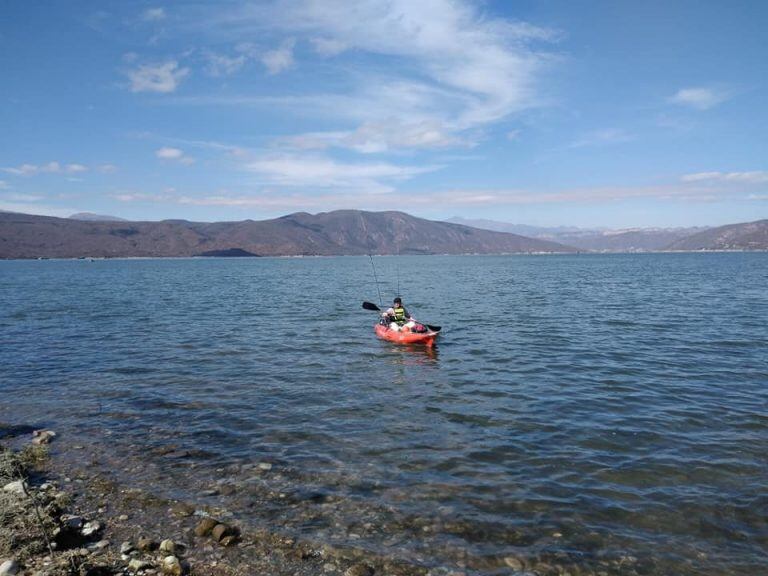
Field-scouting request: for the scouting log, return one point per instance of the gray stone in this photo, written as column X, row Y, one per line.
column 16, row 487
column 265, row 466
column 136, row 564
column 9, row 568
column 73, row 522
column 126, row 548
column 91, row 528
column 43, row 436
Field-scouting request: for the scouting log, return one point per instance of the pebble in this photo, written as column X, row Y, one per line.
column 73, row 522
column 205, row 526
column 9, row 568
column 146, row 544
column 514, row 563
column 265, row 466
column 100, row 545
column 167, row 546
column 219, row 531
column 360, row 570
column 43, row 436
column 91, row 528
column 123, row 517
column 126, row 548
column 228, row 540
column 172, row 566
column 182, row 510
column 135, row 565
column 15, row 487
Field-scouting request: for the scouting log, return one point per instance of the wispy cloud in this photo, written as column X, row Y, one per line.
column 318, row 172
column 161, row 77
column 23, row 197
column 153, row 14
column 602, row 138
column 328, row 47
column 49, row 168
column 223, row 65
column 754, row 177
column 173, row 154
column 281, row 58
column 699, row 98
column 456, row 67
column 4, row 185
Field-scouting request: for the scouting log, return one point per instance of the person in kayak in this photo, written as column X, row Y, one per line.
column 400, row 319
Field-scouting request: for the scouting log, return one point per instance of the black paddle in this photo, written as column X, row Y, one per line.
column 372, row 306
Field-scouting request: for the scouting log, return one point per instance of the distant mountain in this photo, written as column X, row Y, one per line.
column 593, row 239
column 91, row 217
column 747, row 236
column 331, row 233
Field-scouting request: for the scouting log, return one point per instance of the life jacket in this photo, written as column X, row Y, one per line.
column 399, row 315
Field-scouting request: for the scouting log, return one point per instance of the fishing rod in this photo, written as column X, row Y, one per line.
column 381, row 302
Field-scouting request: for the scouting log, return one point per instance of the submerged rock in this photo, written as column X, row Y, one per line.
column 9, row 568
column 360, row 570
column 205, row 526
column 43, row 436
column 146, row 544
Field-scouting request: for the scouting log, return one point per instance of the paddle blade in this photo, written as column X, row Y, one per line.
column 371, row 306
column 434, row 328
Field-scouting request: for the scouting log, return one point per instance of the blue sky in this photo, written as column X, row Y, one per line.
column 617, row 114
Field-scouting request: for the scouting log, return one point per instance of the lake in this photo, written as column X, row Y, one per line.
column 599, row 412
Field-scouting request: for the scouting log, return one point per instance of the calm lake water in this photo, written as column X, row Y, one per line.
column 599, row 412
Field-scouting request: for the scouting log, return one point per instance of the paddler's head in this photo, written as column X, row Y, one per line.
column 398, row 301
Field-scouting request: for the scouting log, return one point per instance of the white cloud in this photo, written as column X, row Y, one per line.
column 107, row 168
column 163, row 77
column 328, row 47
column 174, row 154
column 279, row 59
column 318, row 172
column 755, row 177
column 153, row 14
column 222, row 65
column 49, row 168
column 4, row 185
column 699, row 98
column 448, row 63
column 23, row 197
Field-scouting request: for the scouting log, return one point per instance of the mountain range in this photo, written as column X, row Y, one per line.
column 593, row 239
column 340, row 232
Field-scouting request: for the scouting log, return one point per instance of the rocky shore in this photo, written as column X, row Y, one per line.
column 60, row 518
column 87, row 525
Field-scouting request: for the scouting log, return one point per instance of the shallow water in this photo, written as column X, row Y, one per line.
column 603, row 412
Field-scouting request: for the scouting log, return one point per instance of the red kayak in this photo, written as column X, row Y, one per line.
column 405, row 336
